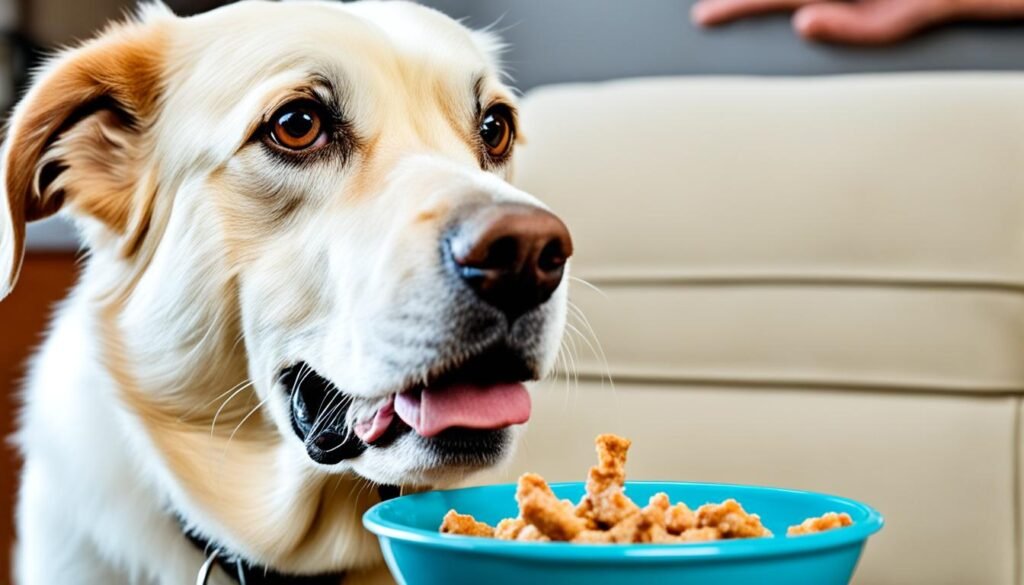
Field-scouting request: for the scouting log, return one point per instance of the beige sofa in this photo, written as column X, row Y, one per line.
column 812, row 283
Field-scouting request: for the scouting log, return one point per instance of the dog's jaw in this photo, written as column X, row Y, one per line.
column 403, row 436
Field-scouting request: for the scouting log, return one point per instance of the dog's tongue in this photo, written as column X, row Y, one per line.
column 374, row 428
column 464, row 405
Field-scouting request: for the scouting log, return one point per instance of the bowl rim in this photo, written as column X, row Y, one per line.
column 698, row 552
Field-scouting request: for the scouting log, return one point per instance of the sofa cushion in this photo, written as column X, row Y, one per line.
column 852, row 337
column 848, row 231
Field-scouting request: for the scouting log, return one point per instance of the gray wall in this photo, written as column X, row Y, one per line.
column 590, row 40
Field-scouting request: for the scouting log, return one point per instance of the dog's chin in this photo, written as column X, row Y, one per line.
column 381, row 441
column 440, row 461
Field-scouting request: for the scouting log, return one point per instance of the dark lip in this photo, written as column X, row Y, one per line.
column 318, row 411
column 329, row 440
column 496, row 364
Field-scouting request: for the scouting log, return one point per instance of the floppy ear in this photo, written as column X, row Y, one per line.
column 79, row 134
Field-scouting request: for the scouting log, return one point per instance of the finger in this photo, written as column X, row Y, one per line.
column 991, row 9
column 712, row 12
column 870, row 22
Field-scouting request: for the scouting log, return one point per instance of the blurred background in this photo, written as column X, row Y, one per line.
column 550, row 41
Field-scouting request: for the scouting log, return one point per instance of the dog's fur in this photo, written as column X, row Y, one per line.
column 214, row 262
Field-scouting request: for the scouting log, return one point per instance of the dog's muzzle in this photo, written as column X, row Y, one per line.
column 503, row 262
column 318, row 413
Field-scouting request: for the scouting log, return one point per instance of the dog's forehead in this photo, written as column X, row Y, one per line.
column 228, row 63
column 416, row 30
column 248, row 40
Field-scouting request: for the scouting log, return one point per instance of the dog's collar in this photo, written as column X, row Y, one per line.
column 247, row 573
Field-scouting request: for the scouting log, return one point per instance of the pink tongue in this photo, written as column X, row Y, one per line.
column 371, row 430
column 462, row 405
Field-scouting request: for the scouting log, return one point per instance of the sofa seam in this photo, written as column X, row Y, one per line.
column 798, row 384
column 726, row 281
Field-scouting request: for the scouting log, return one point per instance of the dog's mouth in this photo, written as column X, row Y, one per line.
column 460, row 409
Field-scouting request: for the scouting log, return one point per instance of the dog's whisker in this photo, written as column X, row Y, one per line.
column 572, row 377
column 589, row 285
column 304, row 371
column 240, row 388
column 563, row 372
column 577, row 334
column 358, row 486
column 572, row 333
column 597, row 347
column 186, row 416
column 567, row 364
column 337, row 401
column 367, row 485
column 334, row 403
column 225, row 393
column 355, row 485
column 243, row 421
column 327, row 415
column 337, row 482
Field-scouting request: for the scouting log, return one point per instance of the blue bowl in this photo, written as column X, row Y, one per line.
column 418, row 555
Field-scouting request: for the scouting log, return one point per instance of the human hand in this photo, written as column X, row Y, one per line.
column 859, row 22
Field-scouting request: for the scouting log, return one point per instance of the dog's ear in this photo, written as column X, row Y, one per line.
column 78, row 136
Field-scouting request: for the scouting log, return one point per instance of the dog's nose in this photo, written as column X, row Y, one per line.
column 512, row 255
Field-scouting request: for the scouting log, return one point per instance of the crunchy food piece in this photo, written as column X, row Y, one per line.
column 660, row 501
column 531, row 482
column 731, row 520
column 531, row 532
column 700, row 535
column 651, row 526
column 679, row 519
column 606, row 515
column 641, row 526
column 627, row 530
column 611, row 454
column 606, row 509
column 593, row 537
column 464, row 524
column 820, row 524
column 605, row 504
column 539, row 507
column 509, row 528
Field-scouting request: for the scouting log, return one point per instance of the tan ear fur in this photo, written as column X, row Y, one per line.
column 79, row 134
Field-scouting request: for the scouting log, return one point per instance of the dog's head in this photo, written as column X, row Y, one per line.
column 311, row 196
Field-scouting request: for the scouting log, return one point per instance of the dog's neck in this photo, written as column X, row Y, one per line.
column 177, row 364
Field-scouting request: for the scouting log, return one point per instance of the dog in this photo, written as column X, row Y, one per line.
column 309, row 285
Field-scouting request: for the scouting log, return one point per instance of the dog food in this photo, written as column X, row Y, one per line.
column 820, row 524
column 606, row 515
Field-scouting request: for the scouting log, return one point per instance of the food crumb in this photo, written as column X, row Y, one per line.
column 828, row 521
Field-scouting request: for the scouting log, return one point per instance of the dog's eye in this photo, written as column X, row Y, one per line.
column 298, row 126
column 496, row 130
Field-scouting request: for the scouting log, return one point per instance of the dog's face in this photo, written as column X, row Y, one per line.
column 367, row 168
column 319, row 191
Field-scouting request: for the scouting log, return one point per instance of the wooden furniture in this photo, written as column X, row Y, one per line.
column 45, row 279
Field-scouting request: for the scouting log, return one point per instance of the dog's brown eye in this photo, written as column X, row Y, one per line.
column 298, row 126
column 496, row 131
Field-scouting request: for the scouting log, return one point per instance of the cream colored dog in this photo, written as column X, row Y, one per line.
column 307, row 278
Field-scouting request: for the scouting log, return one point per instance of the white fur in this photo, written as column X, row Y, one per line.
column 219, row 295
